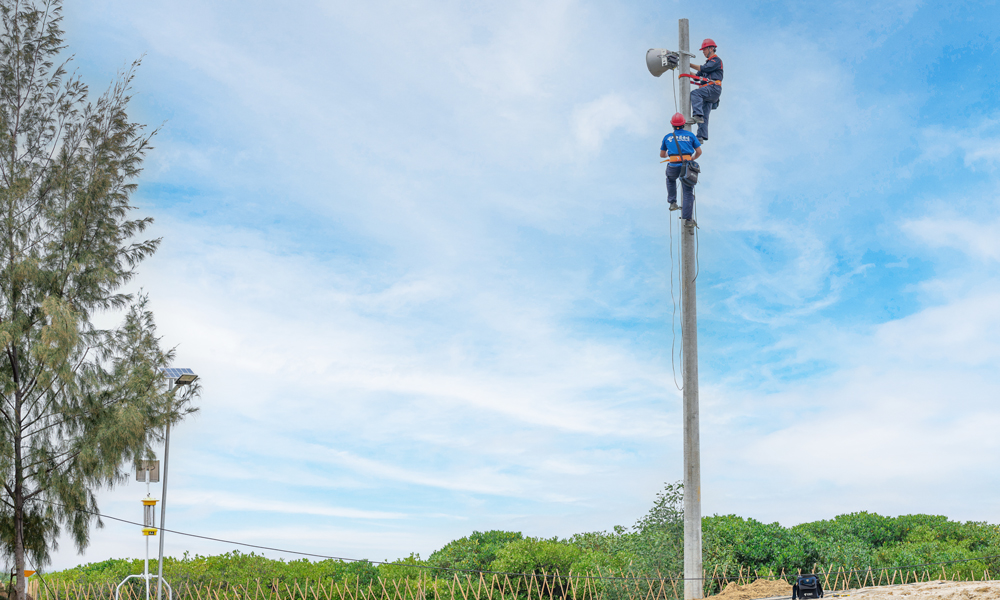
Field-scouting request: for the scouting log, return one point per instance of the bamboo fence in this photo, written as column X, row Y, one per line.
column 486, row 586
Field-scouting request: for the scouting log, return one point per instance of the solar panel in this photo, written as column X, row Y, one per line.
column 175, row 372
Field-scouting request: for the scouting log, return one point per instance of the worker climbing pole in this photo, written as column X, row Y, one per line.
column 685, row 149
column 708, row 77
column 681, row 149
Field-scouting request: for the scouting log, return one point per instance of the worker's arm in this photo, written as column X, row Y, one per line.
column 663, row 153
column 697, row 153
column 695, row 67
column 711, row 65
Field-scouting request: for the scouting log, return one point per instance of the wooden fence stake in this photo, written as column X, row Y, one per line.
column 571, row 581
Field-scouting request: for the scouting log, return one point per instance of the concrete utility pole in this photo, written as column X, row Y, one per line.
column 693, row 576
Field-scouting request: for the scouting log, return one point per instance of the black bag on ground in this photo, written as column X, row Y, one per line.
column 689, row 172
column 807, row 586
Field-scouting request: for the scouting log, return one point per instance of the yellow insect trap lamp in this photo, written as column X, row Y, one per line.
column 147, row 471
column 149, row 515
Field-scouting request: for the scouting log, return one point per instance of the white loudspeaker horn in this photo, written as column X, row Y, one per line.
column 659, row 61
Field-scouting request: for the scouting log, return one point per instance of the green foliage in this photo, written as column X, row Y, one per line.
column 474, row 552
column 731, row 543
column 860, row 540
column 651, row 548
column 233, row 567
column 850, row 540
column 537, row 556
column 667, row 513
column 658, row 546
column 410, row 567
column 654, row 545
column 546, row 563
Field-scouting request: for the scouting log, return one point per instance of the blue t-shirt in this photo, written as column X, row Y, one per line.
column 685, row 140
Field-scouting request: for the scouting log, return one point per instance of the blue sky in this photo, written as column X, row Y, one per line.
column 419, row 253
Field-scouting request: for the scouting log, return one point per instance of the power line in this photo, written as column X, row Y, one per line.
column 673, row 300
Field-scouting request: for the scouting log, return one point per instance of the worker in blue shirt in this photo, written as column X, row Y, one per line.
column 678, row 146
column 706, row 97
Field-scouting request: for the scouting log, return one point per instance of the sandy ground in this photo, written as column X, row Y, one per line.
column 762, row 588
column 930, row 590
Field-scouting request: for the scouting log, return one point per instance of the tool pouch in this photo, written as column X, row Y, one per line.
column 689, row 172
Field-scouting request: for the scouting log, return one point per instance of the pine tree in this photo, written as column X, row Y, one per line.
column 78, row 404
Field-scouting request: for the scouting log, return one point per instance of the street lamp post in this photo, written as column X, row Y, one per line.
column 175, row 377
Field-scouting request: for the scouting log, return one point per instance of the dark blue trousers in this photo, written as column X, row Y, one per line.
column 687, row 208
column 702, row 100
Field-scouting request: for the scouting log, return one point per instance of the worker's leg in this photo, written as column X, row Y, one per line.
column 708, row 96
column 703, row 126
column 687, row 211
column 698, row 102
column 672, row 172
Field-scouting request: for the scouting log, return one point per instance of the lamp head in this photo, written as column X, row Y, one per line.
column 186, row 379
column 659, row 61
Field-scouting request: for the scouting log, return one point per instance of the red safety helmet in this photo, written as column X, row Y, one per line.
column 678, row 120
column 708, row 42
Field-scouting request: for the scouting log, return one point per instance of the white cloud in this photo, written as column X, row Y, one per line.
column 595, row 121
column 977, row 239
column 907, row 411
column 232, row 502
column 979, row 144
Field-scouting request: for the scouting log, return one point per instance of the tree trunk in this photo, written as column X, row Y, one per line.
column 19, row 590
column 18, row 485
column 19, row 536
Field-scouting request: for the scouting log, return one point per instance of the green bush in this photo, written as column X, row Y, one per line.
column 652, row 547
column 547, row 563
column 231, row 568
column 472, row 553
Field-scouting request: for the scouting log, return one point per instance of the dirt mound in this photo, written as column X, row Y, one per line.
column 762, row 588
column 933, row 590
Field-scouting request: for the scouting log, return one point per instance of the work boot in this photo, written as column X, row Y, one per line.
column 697, row 119
column 675, row 206
column 702, row 140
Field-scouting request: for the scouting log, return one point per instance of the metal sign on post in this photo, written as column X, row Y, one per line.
column 148, row 467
